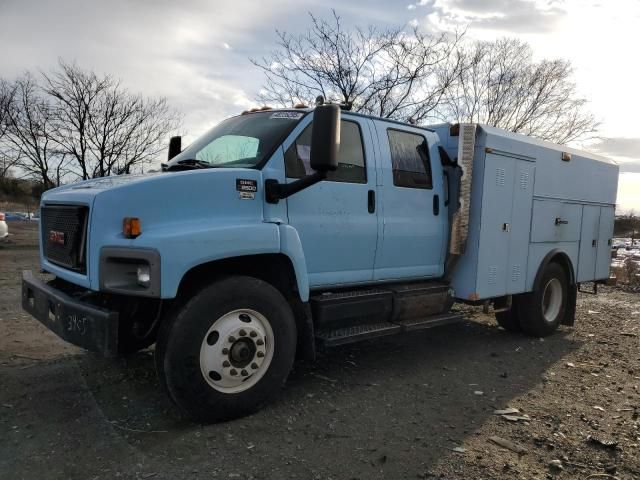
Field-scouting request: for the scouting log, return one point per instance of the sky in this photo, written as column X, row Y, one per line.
column 196, row 52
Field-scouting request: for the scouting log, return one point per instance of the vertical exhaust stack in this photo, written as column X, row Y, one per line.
column 460, row 223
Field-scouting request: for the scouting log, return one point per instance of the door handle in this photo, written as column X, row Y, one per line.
column 447, row 185
column 371, row 201
column 436, row 205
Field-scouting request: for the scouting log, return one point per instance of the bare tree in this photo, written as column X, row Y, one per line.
column 127, row 131
column 101, row 126
column 413, row 76
column 74, row 94
column 30, row 130
column 8, row 156
column 389, row 73
column 501, row 85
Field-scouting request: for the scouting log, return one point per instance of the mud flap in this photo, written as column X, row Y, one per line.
column 570, row 314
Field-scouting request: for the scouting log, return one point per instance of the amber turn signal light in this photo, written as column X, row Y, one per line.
column 131, row 227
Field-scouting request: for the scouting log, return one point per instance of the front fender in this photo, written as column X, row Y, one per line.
column 183, row 249
column 291, row 246
column 180, row 253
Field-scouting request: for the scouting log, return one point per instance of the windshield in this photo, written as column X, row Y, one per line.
column 242, row 141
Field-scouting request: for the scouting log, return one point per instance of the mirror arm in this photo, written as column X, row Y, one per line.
column 276, row 191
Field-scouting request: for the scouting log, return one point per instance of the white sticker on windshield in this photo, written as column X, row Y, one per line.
column 287, row 115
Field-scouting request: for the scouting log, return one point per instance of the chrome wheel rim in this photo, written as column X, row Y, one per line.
column 552, row 300
column 236, row 351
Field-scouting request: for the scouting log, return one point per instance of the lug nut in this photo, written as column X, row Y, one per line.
column 225, row 351
column 244, row 373
column 253, row 334
column 226, row 364
column 233, row 371
column 260, row 354
column 232, row 339
column 242, row 333
column 259, row 342
column 254, row 366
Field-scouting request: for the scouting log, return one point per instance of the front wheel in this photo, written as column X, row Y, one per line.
column 228, row 350
column 542, row 310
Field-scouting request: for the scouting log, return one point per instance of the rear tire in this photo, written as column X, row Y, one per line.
column 509, row 320
column 228, row 350
column 542, row 310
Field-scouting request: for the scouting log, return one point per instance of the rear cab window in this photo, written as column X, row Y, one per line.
column 410, row 161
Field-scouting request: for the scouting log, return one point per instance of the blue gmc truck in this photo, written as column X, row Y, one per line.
column 281, row 231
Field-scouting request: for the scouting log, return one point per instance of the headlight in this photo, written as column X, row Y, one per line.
column 130, row 271
column 144, row 276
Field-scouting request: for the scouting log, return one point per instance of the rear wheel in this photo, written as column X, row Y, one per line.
column 542, row 310
column 228, row 350
column 509, row 320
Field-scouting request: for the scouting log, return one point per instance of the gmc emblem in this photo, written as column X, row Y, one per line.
column 56, row 237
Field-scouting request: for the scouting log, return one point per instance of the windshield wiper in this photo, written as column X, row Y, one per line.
column 190, row 164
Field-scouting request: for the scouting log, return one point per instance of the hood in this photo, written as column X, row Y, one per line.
column 170, row 206
column 113, row 181
column 86, row 191
column 177, row 195
column 104, row 183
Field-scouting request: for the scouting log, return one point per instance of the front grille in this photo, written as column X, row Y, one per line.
column 64, row 235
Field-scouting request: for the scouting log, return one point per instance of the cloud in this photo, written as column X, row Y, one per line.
column 625, row 151
column 618, row 147
column 194, row 52
column 628, row 192
column 508, row 16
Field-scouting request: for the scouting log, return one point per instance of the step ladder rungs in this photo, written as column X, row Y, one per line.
column 341, row 336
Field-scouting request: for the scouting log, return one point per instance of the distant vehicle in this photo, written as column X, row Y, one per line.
column 4, row 229
column 266, row 238
column 16, row 216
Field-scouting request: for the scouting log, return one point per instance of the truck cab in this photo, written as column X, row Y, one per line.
column 280, row 231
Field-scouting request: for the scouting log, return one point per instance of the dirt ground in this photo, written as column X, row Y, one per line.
column 406, row 407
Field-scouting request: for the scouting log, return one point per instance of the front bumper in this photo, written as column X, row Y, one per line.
column 80, row 323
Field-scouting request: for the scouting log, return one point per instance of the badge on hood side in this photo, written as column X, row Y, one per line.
column 247, row 188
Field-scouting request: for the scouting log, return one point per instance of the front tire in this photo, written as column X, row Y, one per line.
column 542, row 310
column 228, row 350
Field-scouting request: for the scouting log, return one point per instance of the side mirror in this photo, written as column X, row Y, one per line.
column 175, row 146
column 325, row 138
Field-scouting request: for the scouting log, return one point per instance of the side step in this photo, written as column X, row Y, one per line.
column 375, row 305
column 341, row 336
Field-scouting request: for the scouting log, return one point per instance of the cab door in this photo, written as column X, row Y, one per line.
column 414, row 217
column 336, row 219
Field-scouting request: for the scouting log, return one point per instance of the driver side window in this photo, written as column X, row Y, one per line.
column 351, row 160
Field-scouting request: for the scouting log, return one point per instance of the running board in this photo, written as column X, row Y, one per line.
column 342, row 336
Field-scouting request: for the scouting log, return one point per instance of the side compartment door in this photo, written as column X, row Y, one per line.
column 414, row 217
column 520, row 226
column 588, row 243
column 336, row 219
column 603, row 257
column 495, row 229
